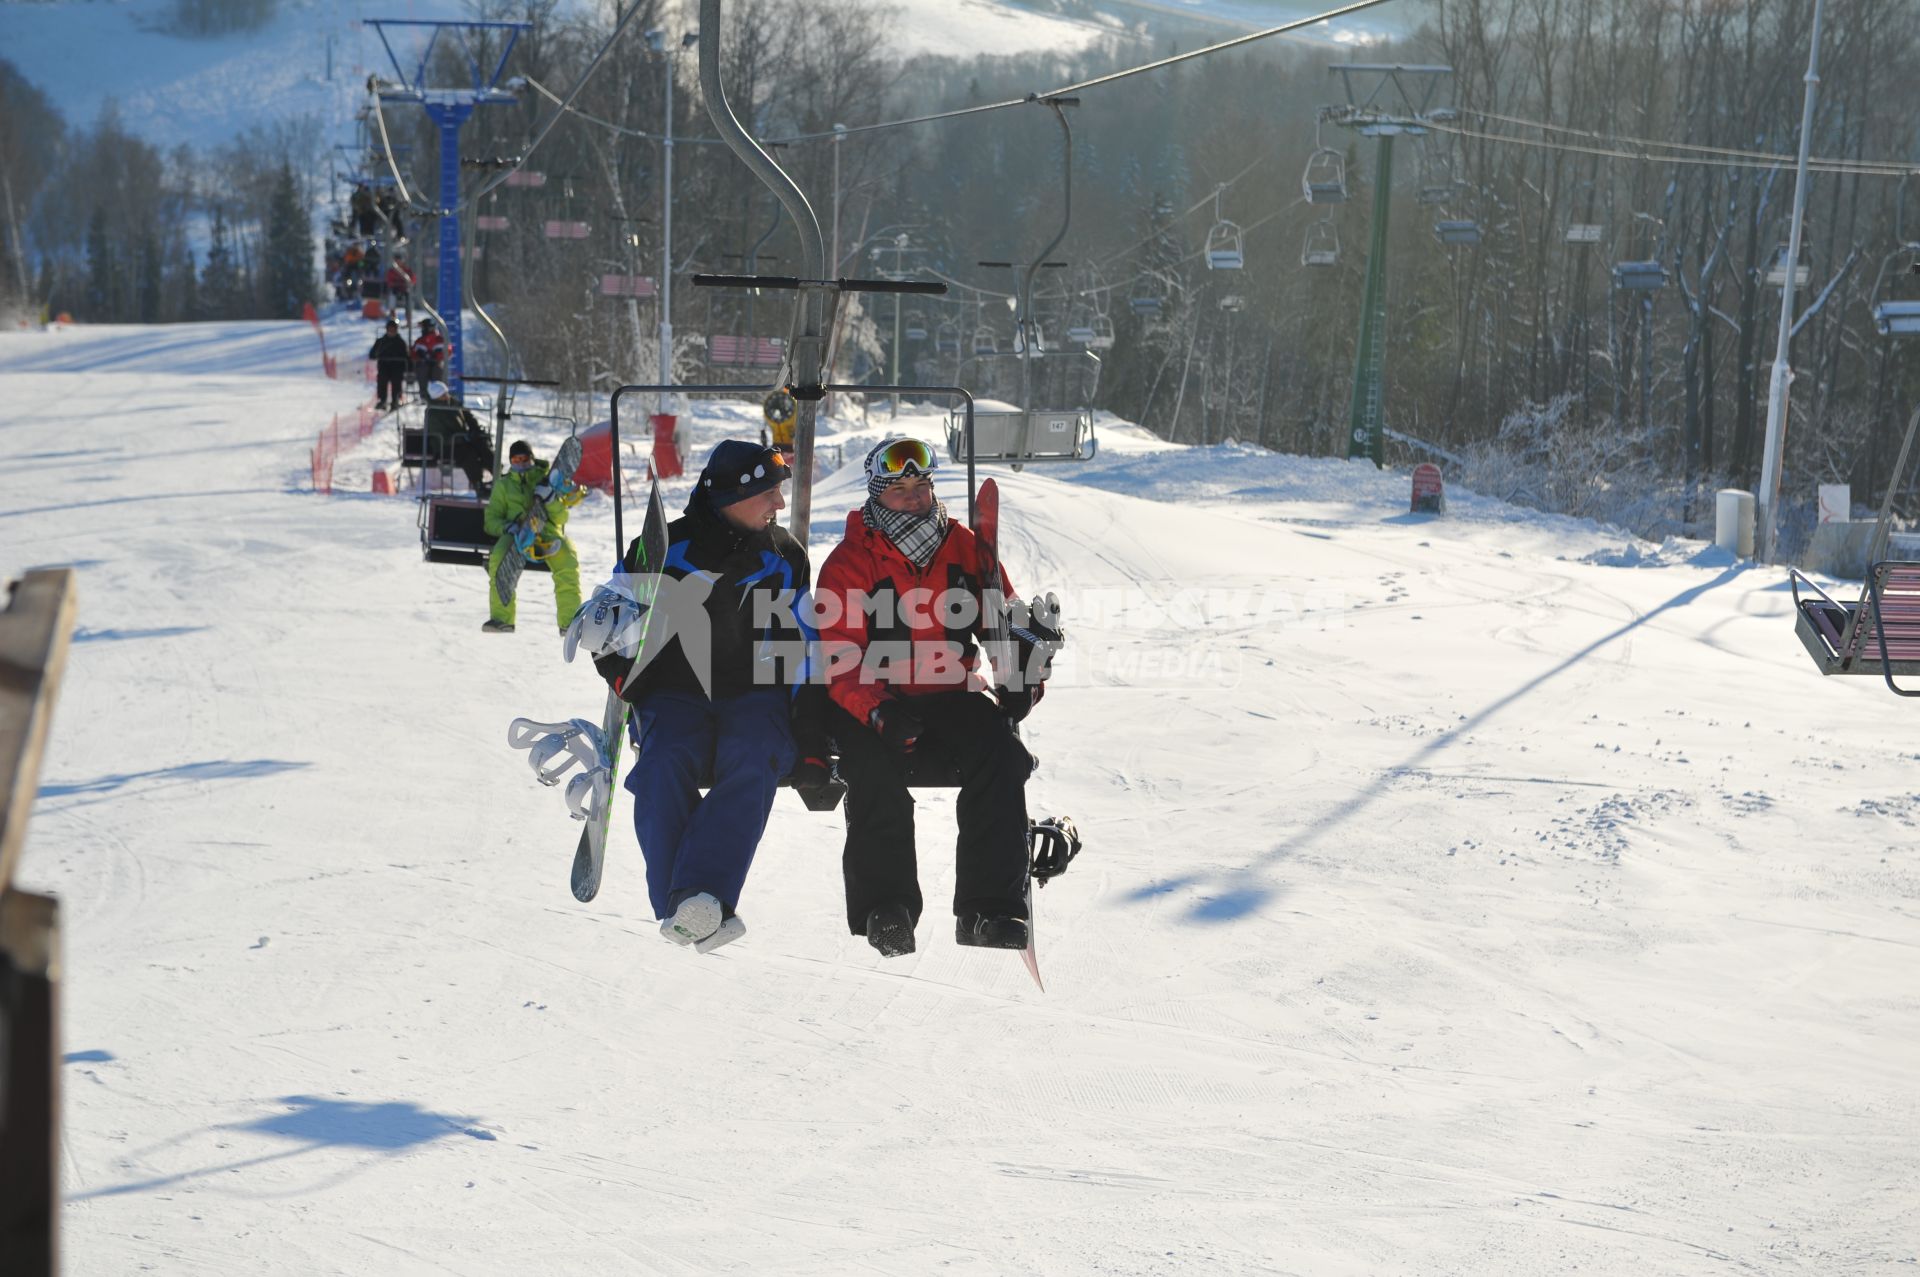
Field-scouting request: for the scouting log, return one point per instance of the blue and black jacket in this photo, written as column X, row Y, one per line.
column 760, row 582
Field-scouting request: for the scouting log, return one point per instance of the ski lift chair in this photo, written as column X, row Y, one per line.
column 1232, row 303
column 1224, row 247
column 1457, row 232
column 1777, row 269
column 916, row 326
column 1879, row 633
column 983, row 341
column 1643, row 277
column 1003, row 435
column 730, row 350
column 1325, row 179
column 1322, row 245
column 1145, row 306
column 946, row 338
column 1583, row 232
column 1102, row 338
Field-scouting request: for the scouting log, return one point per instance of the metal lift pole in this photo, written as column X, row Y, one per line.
column 448, row 109
column 809, row 344
column 1365, row 437
column 1412, row 89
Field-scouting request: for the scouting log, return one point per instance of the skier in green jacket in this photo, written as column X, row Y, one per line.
column 514, row 495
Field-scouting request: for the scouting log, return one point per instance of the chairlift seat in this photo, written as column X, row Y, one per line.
column 1145, row 305
column 1224, row 248
column 727, row 351
column 1583, row 232
column 984, row 343
column 1056, row 436
column 1640, row 276
column 421, row 447
column 1325, row 179
column 1322, row 245
column 1877, row 635
column 1102, row 338
column 1457, row 232
column 1894, row 318
column 1081, row 334
column 453, row 529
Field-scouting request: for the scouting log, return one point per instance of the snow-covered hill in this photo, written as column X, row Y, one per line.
column 1453, row 902
column 313, row 59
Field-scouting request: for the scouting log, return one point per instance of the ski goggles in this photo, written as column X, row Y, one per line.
column 904, row 456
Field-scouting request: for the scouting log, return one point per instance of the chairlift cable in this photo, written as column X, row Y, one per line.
column 1842, row 167
column 1894, row 167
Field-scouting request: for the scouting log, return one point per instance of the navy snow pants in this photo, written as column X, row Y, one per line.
column 744, row 746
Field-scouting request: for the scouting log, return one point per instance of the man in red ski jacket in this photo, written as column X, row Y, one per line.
column 900, row 608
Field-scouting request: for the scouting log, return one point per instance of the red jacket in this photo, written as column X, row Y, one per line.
column 399, row 278
column 430, row 347
column 888, row 628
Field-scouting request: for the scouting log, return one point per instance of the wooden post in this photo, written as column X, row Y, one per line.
column 34, row 630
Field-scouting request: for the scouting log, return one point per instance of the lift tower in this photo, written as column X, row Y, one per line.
column 448, row 108
column 1412, row 89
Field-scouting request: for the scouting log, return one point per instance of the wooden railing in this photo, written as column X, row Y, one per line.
column 34, row 630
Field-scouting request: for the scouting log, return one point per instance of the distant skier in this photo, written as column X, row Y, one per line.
column 365, row 218
column 430, row 353
column 713, row 703
column 390, row 357
column 905, row 680
column 513, row 497
column 400, row 282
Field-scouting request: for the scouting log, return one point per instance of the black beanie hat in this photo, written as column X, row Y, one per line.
column 737, row 470
column 519, row 448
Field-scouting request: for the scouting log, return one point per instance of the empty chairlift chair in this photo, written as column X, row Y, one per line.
column 946, row 338
column 984, row 342
column 1224, row 247
column 1457, row 232
column 1897, row 316
column 1640, row 277
column 1102, row 333
column 916, row 326
column 1325, row 180
column 1777, row 269
column 1879, row 633
column 1322, row 245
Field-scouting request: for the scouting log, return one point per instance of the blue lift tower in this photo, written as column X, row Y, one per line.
column 449, row 108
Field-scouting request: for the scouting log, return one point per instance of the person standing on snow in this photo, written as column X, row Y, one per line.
column 714, row 700
column 513, row 498
column 389, row 355
column 430, row 351
column 902, row 672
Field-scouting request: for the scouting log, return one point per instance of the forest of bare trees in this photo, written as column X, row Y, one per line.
column 1580, row 134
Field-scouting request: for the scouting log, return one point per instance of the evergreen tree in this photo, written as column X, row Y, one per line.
column 148, row 282
column 98, row 297
column 186, row 289
column 286, row 264
column 219, row 284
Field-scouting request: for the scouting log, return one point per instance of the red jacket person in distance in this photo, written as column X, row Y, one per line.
column 900, row 608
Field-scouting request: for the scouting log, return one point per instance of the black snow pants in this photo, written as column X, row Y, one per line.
column 392, row 376
column 967, row 731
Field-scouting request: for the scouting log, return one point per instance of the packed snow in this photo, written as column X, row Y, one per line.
column 1485, row 893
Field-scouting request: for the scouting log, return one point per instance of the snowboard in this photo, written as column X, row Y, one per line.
column 506, row 574
column 590, row 855
column 998, row 626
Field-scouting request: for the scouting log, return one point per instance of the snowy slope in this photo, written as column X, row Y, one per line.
column 205, row 92
column 1453, row 901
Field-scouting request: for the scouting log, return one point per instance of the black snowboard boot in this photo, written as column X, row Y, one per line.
column 890, row 930
column 990, row 931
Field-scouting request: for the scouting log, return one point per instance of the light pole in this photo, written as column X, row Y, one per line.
column 1779, row 387
column 657, row 42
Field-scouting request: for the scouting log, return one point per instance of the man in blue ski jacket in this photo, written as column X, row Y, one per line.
column 714, row 690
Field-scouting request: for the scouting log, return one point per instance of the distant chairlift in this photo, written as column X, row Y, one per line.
column 1232, row 303
column 1224, row 242
column 1322, row 246
column 1642, row 277
column 1457, row 232
column 1896, row 316
column 1777, row 270
column 916, row 326
column 984, row 342
column 1325, row 179
column 727, row 350
column 946, row 338
column 1102, row 333
column 1584, row 232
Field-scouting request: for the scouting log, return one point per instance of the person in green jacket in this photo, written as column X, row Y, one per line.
column 514, row 494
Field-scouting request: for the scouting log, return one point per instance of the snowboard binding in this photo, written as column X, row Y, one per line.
column 1051, row 846
column 555, row 748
